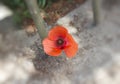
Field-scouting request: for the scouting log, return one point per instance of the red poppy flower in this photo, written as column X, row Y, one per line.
column 59, row 39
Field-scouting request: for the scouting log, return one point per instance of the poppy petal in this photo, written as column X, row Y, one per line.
column 56, row 32
column 72, row 46
column 50, row 47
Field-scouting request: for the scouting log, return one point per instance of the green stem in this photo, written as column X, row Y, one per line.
column 96, row 11
column 35, row 13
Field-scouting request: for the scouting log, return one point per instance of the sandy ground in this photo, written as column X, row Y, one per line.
column 97, row 61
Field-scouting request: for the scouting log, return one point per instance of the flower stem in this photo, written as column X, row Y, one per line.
column 96, row 12
column 35, row 13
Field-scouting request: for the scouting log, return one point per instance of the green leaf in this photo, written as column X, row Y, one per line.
column 43, row 3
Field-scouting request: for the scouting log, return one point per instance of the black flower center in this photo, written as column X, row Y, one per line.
column 60, row 42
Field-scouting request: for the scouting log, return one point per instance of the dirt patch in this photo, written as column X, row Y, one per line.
column 60, row 9
column 48, row 64
column 51, row 14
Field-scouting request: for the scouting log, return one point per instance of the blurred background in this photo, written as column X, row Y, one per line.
column 98, row 58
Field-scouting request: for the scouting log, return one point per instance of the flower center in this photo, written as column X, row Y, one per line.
column 60, row 42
